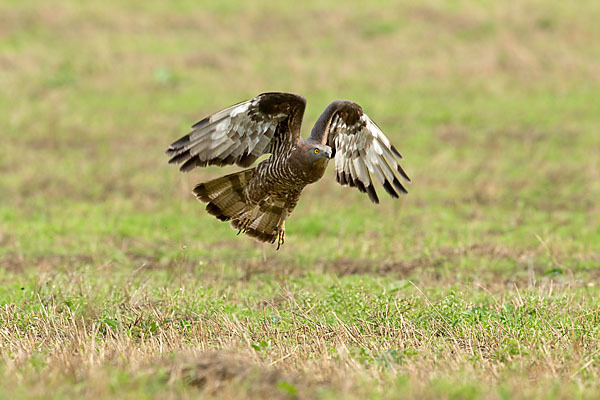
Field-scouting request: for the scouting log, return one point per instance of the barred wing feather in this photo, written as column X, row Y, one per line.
column 241, row 133
column 363, row 153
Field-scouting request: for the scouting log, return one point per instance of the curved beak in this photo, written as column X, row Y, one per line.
column 329, row 154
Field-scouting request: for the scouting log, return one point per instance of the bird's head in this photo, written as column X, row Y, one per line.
column 315, row 152
column 311, row 159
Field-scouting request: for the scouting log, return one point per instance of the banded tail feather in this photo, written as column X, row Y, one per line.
column 225, row 195
column 227, row 202
column 266, row 221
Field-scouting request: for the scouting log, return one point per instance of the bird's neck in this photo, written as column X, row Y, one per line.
column 318, row 134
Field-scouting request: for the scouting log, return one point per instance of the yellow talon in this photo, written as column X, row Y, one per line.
column 281, row 234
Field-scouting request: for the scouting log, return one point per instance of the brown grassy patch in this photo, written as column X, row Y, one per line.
column 446, row 20
column 222, row 373
column 349, row 266
column 296, row 361
column 17, row 262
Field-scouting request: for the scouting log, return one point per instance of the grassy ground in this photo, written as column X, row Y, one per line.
column 481, row 283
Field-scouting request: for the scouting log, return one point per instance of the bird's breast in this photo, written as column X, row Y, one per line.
column 313, row 172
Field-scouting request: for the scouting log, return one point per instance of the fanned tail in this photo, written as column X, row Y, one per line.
column 227, row 202
column 225, row 195
column 263, row 222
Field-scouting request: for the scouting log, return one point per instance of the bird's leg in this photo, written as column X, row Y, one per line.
column 245, row 222
column 281, row 234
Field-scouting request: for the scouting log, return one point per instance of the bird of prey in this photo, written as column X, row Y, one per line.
column 258, row 200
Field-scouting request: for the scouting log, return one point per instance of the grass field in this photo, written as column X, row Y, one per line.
column 482, row 282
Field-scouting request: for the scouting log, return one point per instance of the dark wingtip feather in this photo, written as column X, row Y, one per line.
column 401, row 171
column 372, row 194
column 340, row 177
column 178, row 158
column 399, row 186
column 395, row 151
column 192, row 163
column 201, row 123
column 222, row 162
column 178, row 144
column 351, row 182
column 388, row 188
column 361, row 187
column 343, row 179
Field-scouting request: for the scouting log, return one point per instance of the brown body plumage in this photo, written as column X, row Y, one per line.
column 258, row 200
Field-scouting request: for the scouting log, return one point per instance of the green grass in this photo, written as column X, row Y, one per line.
column 481, row 283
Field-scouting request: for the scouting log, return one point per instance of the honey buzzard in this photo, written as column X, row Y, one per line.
column 258, row 200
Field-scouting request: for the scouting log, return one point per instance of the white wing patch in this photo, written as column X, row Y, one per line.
column 362, row 151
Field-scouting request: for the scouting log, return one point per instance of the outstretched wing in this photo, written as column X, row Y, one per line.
column 362, row 151
column 241, row 133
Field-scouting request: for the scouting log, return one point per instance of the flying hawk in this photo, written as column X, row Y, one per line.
column 258, row 200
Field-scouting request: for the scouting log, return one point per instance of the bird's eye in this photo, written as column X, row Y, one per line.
column 316, row 151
